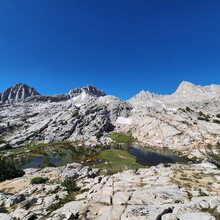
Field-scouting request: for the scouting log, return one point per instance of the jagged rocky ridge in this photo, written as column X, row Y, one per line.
column 186, row 121
column 77, row 115
column 18, row 92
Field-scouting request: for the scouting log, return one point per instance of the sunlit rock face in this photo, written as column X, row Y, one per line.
column 18, row 92
column 186, row 121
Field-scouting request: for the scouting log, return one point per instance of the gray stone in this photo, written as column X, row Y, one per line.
column 20, row 213
column 4, row 216
column 120, row 198
column 18, row 92
column 169, row 216
column 196, row 216
column 218, row 209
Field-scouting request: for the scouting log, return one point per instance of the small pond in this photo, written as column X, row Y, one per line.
column 150, row 157
column 57, row 156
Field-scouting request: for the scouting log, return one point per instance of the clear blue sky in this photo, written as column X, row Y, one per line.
column 120, row 46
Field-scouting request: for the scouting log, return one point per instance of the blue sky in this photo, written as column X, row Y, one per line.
column 120, row 46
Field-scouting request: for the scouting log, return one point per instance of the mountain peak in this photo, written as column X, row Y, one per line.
column 92, row 90
column 187, row 88
column 89, row 89
column 143, row 96
column 19, row 91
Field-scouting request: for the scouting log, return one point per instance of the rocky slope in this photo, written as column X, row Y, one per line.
column 190, row 191
column 186, row 121
column 78, row 115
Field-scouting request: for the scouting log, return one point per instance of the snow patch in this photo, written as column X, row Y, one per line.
column 84, row 95
column 172, row 109
column 134, row 110
column 124, row 121
column 75, row 98
column 78, row 105
column 164, row 106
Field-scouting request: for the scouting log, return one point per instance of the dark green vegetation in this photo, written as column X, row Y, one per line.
column 35, row 147
column 61, row 203
column 188, row 109
column 72, row 190
column 122, row 137
column 117, row 161
column 70, row 185
column 207, row 118
column 38, row 180
column 213, row 153
column 203, row 117
column 8, row 169
column 216, row 121
column 2, row 141
column 218, row 115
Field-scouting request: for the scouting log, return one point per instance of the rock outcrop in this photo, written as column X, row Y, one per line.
column 187, row 88
column 90, row 90
column 130, row 195
column 186, row 121
column 18, row 92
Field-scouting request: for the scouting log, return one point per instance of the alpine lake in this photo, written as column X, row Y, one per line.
column 113, row 158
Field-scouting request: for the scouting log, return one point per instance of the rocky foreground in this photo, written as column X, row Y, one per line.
column 191, row 191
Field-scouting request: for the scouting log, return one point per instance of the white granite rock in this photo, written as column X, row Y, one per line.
column 196, row 216
column 4, row 216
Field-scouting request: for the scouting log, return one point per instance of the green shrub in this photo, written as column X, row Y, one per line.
column 98, row 135
column 38, row 180
column 188, row 109
column 70, row 185
column 181, row 109
column 213, row 154
column 203, row 119
column 218, row 115
column 167, row 165
column 62, row 202
column 54, row 206
column 122, row 138
column 216, row 121
column 201, row 193
column 202, row 114
column 2, row 141
column 8, row 170
column 189, row 195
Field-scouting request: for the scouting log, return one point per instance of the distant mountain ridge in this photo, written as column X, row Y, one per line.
column 186, row 90
column 188, row 87
column 23, row 92
column 185, row 93
column 185, row 121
